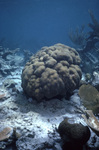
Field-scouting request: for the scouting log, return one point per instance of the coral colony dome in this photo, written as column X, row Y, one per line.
column 53, row 71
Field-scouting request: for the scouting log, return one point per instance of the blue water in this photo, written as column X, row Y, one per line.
column 31, row 24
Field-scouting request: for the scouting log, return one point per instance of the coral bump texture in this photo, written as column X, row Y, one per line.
column 52, row 71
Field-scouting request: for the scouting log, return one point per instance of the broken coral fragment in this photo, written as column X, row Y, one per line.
column 2, row 96
column 5, row 133
column 91, row 121
column 95, row 81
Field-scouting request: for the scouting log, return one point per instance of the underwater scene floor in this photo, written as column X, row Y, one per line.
column 26, row 124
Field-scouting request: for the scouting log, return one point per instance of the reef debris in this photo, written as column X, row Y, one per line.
column 5, row 133
column 2, row 96
column 91, row 121
column 95, row 81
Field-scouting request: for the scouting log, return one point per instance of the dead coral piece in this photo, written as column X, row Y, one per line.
column 5, row 133
column 91, row 121
column 90, row 97
column 53, row 71
column 9, row 52
column 2, row 96
column 95, row 81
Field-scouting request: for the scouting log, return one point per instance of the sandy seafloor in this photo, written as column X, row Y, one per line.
column 35, row 123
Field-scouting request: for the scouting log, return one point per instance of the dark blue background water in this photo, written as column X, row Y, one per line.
column 31, row 24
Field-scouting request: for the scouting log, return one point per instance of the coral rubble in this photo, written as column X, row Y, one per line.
column 10, row 60
column 91, row 121
column 5, row 133
column 95, row 81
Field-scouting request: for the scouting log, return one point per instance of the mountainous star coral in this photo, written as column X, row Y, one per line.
column 51, row 72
